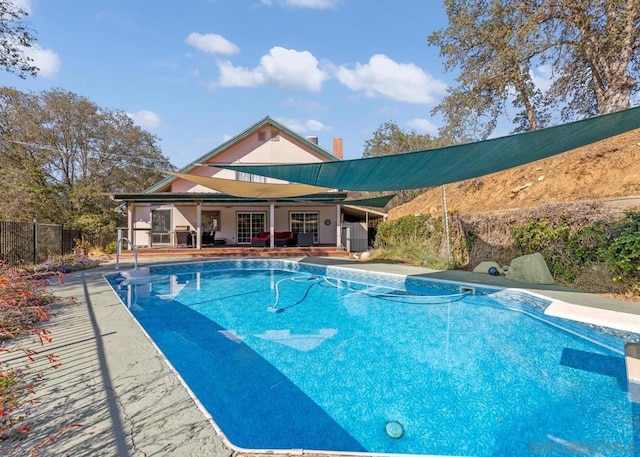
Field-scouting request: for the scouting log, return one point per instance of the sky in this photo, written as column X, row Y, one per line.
column 198, row 72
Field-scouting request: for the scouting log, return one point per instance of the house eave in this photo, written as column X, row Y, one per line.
column 321, row 198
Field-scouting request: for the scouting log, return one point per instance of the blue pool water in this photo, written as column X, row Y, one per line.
column 283, row 357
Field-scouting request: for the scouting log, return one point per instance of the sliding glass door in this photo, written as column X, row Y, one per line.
column 249, row 224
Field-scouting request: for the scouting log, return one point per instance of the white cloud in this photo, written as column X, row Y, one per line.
column 542, row 77
column 46, row 60
column 404, row 82
column 146, row 119
column 304, row 126
column 285, row 68
column 423, row 126
column 211, row 43
column 314, row 4
column 231, row 76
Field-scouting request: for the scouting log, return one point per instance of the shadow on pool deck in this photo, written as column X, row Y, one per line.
column 114, row 383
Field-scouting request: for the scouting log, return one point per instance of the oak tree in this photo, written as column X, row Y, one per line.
column 15, row 36
column 61, row 154
column 591, row 46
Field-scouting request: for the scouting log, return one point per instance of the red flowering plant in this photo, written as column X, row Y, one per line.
column 24, row 306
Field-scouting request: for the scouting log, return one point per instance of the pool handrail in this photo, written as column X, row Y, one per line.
column 135, row 252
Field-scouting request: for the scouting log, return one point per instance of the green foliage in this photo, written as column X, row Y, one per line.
column 587, row 244
column 568, row 249
column 15, row 37
column 410, row 239
column 111, row 247
column 565, row 249
column 496, row 46
column 61, row 155
column 536, row 236
column 624, row 251
column 413, row 228
column 96, row 230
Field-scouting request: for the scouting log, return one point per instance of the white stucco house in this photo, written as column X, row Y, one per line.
column 201, row 205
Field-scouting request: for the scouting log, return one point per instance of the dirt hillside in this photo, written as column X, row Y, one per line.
column 609, row 169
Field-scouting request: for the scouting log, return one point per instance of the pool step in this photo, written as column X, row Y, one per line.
column 632, row 360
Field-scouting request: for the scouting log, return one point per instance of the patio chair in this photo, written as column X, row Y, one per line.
column 305, row 239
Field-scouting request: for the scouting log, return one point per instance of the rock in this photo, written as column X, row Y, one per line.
column 530, row 268
column 483, row 267
column 365, row 256
column 518, row 189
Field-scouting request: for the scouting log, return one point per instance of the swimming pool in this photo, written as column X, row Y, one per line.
column 285, row 355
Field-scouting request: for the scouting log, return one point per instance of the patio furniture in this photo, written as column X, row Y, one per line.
column 184, row 237
column 261, row 240
column 305, row 239
column 282, row 239
column 209, row 239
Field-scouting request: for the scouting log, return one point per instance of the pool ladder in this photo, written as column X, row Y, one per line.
column 135, row 252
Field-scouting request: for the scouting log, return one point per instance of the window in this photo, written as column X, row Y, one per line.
column 304, row 222
column 210, row 221
column 275, row 135
column 248, row 177
column 262, row 136
column 161, row 226
column 249, row 224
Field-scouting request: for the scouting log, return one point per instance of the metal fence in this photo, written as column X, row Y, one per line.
column 23, row 243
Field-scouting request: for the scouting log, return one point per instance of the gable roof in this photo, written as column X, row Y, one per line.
column 237, row 139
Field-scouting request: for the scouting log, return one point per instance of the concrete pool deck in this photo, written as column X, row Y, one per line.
column 113, row 394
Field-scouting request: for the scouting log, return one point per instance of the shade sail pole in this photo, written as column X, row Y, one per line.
column 446, row 222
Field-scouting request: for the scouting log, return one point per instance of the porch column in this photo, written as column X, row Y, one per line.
column 272, row 215
column 198, row 225
column 130, row 225
column 338, row 227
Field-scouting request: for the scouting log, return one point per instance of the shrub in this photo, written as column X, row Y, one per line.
column 24, row 305
column 65, row 264
column 411, row 239
column 111, row 247
column 566, row 249
column 624, row 252
column 23, row 302
column 536, row 236
column 402, row 229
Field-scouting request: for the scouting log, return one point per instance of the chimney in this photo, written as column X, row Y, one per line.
column 313, row 139
column 337, row 148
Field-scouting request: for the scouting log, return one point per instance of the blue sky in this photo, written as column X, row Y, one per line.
column 198, row 72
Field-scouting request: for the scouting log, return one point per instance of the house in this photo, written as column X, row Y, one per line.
column 202, row 205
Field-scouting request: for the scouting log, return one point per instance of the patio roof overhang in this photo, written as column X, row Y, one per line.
column 321, row 198
column 332, row 198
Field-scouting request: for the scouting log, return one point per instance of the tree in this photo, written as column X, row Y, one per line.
column 593, row 47
column 60, row 155
column 484, row 40
column 14, row 38
column 391, row 139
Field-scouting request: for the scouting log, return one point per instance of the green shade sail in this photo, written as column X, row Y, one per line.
column 434, row 167
column 373, row 202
